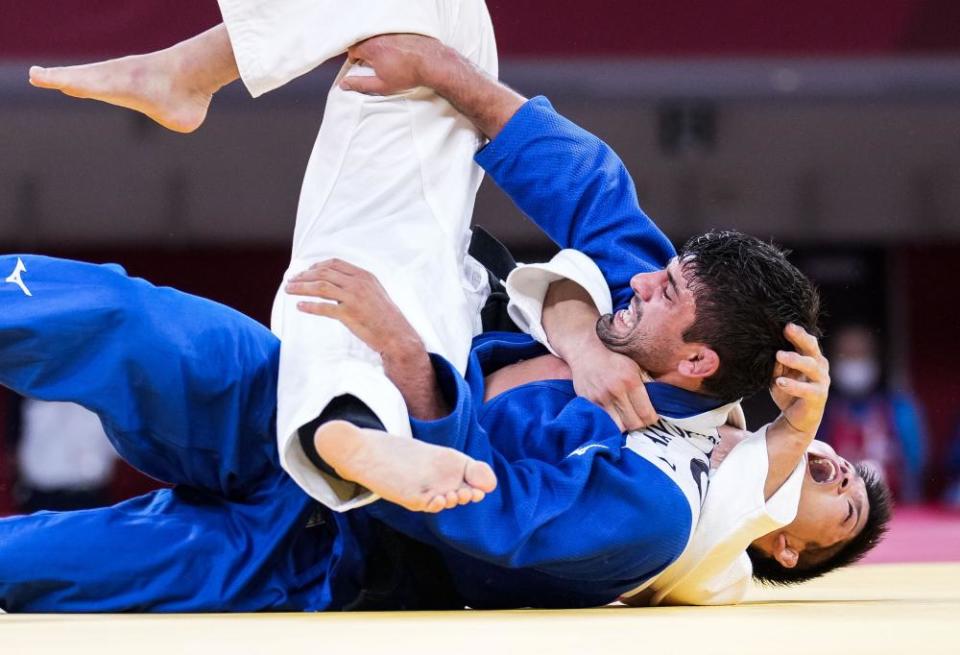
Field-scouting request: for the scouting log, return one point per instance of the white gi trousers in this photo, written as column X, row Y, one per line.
column 390, row 187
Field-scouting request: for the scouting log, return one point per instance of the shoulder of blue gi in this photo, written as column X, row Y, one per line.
column 576, row 188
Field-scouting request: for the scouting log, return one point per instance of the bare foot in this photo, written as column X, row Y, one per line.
column 174, row 87
column 418, row 476
column 152, row 84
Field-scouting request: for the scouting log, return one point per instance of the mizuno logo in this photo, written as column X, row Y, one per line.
column 16, row 279
column 582, row 450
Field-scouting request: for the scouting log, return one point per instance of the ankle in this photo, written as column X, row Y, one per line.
column 206, row 62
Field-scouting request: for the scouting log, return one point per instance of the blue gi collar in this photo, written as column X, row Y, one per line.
column 674, row 402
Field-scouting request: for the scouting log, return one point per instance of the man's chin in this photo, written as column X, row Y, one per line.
column 607, row 332
column 620, row 345
column 604, row 326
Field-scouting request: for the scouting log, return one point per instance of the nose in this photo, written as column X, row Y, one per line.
column 643, row 284
column 846, row 476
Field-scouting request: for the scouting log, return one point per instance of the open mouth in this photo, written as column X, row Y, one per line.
column 823, row 471
column 627, row 318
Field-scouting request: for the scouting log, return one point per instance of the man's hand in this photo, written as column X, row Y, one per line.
column 615, row 383
column 802, row 384
column 802, row 387
column 405, row 61
column 401, row 62
column 359, row 302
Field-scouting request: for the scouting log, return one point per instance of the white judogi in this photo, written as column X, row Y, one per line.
column 714, row 569
column 390, row 187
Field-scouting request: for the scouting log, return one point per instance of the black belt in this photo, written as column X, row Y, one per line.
column 499, row 262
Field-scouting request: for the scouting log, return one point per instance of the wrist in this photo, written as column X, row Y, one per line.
column 439, row 68
column 583, row 346
column 403, row 350
column 784, row 428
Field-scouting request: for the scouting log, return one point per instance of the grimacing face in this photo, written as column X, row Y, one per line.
column 833, row 501
column 650, row 329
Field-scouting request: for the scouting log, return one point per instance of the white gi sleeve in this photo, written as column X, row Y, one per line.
column 528, row 283
column 277, row 41
column 715, row 569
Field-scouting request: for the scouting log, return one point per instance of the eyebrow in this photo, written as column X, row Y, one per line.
column 858, row 505
column 673, row 283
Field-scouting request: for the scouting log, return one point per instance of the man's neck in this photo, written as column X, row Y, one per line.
column 681, row 381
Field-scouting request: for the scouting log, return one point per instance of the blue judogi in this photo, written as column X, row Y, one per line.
column 563, row 528
column 185, row 389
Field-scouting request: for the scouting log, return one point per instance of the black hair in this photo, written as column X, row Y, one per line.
column 815, row 562
column 746, row 292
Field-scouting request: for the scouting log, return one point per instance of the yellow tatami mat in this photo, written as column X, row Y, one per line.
column 911, row 609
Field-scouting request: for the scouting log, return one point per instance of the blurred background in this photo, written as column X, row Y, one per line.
column 831, row 127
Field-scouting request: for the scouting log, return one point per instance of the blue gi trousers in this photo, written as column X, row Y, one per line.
column 186, row 391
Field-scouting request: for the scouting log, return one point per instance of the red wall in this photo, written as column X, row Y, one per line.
column 934, row 324
column 88, row 28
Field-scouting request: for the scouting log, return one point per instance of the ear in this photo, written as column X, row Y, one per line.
column 702, row 363
column 784, row 554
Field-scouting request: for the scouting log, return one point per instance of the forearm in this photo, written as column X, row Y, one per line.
column 786, row 445
column 408, row 366
column 570, row 319
column 487, row 103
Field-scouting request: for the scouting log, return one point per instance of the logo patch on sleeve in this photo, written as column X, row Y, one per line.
column 582, row 450
column 15, row 278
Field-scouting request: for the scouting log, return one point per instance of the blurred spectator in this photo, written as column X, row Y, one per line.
column 951, row 493
column 868, row 422
column 64, row 459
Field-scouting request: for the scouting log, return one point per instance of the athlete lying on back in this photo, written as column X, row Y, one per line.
column 609, row 560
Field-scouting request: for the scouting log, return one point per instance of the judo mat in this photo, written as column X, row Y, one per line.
column 870, row 609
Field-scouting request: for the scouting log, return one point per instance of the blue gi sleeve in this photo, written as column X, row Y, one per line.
column 600, row 512
column 185, row 387
column 572, row 185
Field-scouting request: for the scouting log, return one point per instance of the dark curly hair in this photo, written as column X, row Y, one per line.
column 745, row 292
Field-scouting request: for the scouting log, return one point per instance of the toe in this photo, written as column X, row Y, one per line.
column 436, row 504
column 480, row 476
column 464, row 495
column 477, row 496
column 39, row 76
column 452, row 500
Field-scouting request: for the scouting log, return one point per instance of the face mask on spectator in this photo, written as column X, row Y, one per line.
column 856, row 377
